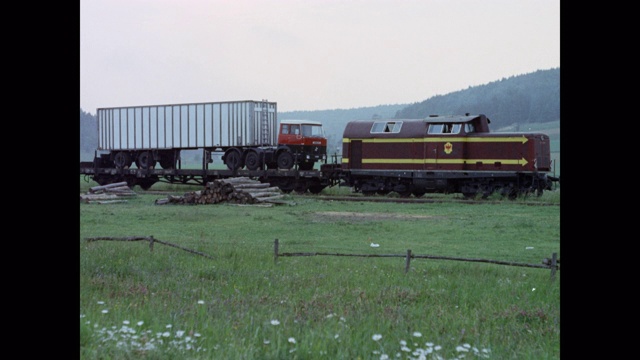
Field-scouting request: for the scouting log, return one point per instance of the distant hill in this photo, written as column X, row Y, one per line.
column 523, row 99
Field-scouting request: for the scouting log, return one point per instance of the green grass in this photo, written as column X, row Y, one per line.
column 172, row 304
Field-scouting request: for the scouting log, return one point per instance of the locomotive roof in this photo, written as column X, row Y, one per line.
column 452, row 118
column 437, row 119
column 392, row 128
column 310, row 122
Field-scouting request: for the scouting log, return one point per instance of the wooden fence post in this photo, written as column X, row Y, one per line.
column 406, row 265
column 275, row 252
column 554, row 257
column 151, row 239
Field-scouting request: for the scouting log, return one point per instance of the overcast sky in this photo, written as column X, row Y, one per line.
column 307, row 54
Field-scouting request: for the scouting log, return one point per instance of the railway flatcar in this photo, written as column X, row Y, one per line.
column 443, row 154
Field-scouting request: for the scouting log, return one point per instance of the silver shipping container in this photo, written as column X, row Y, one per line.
column 210, row 125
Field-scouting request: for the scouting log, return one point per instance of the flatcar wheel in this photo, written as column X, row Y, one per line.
column 252, row 161
column 232, row 159
column 418, row 194
column 300, row 188
column 368, row 193
column 122, row 160
column 316, row 189
column 146, row 184
column 285, row 160
column 286, row 186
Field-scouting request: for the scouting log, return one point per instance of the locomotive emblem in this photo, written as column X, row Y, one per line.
column 448, row 148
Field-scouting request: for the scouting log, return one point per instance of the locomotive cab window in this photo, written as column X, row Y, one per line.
column 444, row 129
column 386, row 127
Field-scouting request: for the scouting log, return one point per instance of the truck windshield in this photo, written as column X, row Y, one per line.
column 312, row 130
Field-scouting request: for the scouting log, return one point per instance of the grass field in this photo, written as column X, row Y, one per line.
column 240, row 304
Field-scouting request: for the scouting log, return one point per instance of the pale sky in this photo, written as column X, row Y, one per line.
column 307, row 54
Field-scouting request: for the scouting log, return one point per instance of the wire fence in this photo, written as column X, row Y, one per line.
column 552, row 263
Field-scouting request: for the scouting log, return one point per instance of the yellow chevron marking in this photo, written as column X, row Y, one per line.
column 522, row 161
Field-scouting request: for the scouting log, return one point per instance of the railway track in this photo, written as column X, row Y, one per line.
column 422, row 200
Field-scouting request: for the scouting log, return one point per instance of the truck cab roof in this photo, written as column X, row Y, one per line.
column 308, row 122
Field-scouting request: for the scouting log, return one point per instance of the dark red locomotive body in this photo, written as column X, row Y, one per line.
column 443, row 154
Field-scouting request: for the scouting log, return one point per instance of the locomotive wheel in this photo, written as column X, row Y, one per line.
column 300, row 188
column 315, row 189
column 122, row 160
column 469, row 195
column 487, row 190
column 418, row 193
column 285, row 160
column 145, row 161
column 368, row 193
column 252, row 161
column 233, row 160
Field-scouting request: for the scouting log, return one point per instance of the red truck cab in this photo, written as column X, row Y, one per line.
column 305, row 142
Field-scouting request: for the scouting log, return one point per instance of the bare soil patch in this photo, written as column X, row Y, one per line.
column 358, row 216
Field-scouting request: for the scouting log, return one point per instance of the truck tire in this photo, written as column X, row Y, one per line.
column 122, row 160
column 145, row 160
column 285, row 160
column 252, row 161
column 233, row 160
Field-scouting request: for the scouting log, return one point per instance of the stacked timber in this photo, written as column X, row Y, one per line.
column 240, row 190
column 107, row 194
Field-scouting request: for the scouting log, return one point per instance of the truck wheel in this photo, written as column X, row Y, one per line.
column 122, row 160
column 233, row 160
column 285, row 160
column 252, row 161
column 145, row 161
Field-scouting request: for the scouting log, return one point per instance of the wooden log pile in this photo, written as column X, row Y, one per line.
column 108, row 194
column 240, row 190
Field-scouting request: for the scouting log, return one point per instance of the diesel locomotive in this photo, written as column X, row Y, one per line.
column 443, row 154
